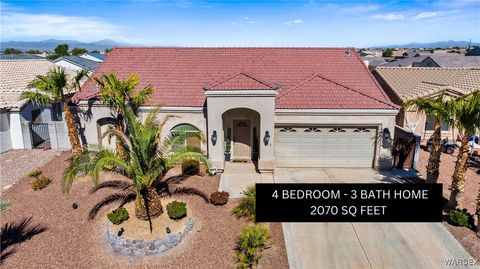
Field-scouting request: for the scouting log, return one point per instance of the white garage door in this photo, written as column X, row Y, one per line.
column 324, row 146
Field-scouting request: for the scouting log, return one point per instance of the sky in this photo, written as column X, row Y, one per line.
column 243, row 23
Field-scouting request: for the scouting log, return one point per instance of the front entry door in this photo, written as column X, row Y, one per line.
column 241, row 140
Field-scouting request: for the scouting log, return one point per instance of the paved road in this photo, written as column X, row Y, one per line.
column 364, row 245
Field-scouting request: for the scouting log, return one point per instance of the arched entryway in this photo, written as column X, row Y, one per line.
column 103, row 124
column 241, row 128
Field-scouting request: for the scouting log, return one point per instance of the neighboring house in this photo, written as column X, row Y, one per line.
column 448, row 60
column 372, row 62
column 19, row 57
column 405, row 62
column 77, row 63
column 94, row 56
column 403, row 53
column 371, row 52
column 404, row 84
column 473, row 52
column 25, row 125
column 285, row 107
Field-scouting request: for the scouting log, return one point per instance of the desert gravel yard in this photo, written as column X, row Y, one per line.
column 72, row 241
column 15, row 163
column 467, row 238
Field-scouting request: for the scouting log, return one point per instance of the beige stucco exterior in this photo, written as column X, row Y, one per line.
column 222, row 108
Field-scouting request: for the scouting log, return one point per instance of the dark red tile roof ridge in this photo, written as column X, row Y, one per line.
column 312, row 76
column 236, row 74
column 427, row 68
column 235, row 47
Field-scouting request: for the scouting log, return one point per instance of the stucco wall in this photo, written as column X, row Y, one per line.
column 413, row 117
column 5, row 139
column 383, row 153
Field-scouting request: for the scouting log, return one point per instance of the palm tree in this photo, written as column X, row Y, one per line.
column 54, row 88
column 146, row 161
column 437, row 109
column 120, row 94
column 467, row 120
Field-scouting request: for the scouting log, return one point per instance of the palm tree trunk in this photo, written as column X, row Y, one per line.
column 478, row 214
column 148, row 203
column 433, row 165
column 459, row 175
column 121, row 128
column 72, row 130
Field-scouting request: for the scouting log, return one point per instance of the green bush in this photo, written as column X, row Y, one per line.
column 177, row 210
column 461, row 218
column 250, row 245
column 35, row 173
column 190, row 167
column 246, row 208
column 117, row 216
column 40, row 183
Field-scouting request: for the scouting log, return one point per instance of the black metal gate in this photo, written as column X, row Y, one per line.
column 40, row 135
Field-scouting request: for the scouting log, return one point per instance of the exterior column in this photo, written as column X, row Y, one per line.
column 16, row 134
column 215, row 123
column 266, row 160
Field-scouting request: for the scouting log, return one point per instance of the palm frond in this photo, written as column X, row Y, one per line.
column 112, row 184
column 36, row 97
column 122, row 197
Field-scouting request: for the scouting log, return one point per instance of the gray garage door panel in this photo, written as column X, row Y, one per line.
column 324, row 146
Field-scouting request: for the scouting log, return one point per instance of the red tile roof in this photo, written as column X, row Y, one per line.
column 180, row 75
column 240, row 81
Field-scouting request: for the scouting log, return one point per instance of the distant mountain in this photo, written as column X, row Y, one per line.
column 50, row 44
column 438, row 44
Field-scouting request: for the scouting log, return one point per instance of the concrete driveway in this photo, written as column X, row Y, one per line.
column 365, row 245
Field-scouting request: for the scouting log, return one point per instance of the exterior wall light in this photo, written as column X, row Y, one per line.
column 214, row 138
column 266, row 139
column 386, row 134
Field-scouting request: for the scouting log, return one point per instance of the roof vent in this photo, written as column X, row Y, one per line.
column 349, row 52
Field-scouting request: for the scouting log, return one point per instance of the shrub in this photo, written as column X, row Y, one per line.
column 35, row 173
column 117, row 216
column 219, row 198
column 177, row 210
column 461, row 218
column 250, row 245
column 40, row 183
column 246, row 208
column 190, row 167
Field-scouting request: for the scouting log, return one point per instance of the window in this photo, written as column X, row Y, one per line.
column 56, row 111
column 36, row 116
column 361, row 130
column 191, row 135
column 430, row 125
column 288, row 130
column 337, row 130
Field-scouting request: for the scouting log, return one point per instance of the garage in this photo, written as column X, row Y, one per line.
column 317, row 146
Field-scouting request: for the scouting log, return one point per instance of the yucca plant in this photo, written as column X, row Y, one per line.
column 438, row 109
column 3, row 204
column 250, row 245
column 147, row 159
column 246, row 207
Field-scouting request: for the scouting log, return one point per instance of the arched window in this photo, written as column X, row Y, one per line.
column 192, row 135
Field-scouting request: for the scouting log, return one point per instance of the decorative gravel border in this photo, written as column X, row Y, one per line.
column 139, row 247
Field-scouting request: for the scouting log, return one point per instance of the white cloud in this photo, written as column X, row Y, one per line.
column 360, row 8
column 16, row 24
column 424, row 15
column 389, row 17
column 245, row 21
column 297, row 21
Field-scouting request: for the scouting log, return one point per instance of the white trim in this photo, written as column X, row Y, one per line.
column 241, row 93
column 147, row 108
column 324, row 112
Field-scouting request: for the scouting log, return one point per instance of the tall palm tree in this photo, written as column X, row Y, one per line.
column 52, row 88
column 119, row 95
column 146, row 161
column 467, row 120
column 438, row 110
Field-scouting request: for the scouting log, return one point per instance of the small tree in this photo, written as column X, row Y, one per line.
column 12, row 51
column 33, row 52
column 78, row 51
column 388, row 52
column 61, row 50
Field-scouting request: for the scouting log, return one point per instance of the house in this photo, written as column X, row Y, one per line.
column 473, row 52
column 402, row 84
column 282, row 107
column 94, row 56
column 25, row 125
column 77, row 63
column 372, row 62
column 19, row 57
column 405, row 62
column 448, row 60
